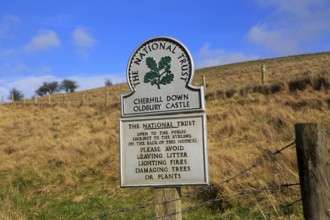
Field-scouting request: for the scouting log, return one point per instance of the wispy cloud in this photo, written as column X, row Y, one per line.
column 7, row 23
column 11, row 70
column 207, row 57
column 10, row 78
column 82, row 38
column 6, row 52
column 83, row 42
column 28, row 84
column 277, row 40
column 3, row 90
column 291, row 24
column 90, row 81
column 43, row 41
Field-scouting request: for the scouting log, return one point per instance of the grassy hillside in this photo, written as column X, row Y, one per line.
column 61, row 161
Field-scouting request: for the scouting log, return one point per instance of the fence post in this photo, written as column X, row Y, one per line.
column 204, row 83
column 312, row 158
column 12, row 98
column 107, row 99
column 49, row 101
column 35, row 99
column 263, row 74
column 63, row 99
column 168, row 203
column 83, row 99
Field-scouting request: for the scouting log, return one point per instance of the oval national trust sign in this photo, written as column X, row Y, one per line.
column 160, row 73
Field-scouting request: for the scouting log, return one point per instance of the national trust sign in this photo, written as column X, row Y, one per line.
column 163, row 123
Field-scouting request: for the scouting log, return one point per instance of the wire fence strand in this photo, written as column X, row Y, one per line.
column 284, row 207
column 257, row 163
column 221, row 198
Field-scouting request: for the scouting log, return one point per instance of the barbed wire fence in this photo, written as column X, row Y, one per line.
column 214, row 187
column 235, row 195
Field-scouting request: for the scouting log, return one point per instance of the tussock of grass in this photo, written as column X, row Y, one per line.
column 319, row 83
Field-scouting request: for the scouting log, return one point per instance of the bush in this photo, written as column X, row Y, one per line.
column 69, row 85
column 15, row 95
column 48, row 88
column 108, row 82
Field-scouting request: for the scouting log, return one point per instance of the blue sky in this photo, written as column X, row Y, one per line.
column 89, row 41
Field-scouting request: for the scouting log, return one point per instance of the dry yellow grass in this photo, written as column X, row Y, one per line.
column 84, row 136
column 55, row 135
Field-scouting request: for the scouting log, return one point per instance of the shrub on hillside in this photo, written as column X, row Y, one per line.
column 299, row 84
column 316, row 83
column 108, row 82
column 15, row 95
column 48, row 88
column 69, row 85
column 320, row 83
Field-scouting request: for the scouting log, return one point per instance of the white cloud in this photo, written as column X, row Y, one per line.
column 44, row 40
column 8, row 69
column 27, row 85
column 291, row 25
column 83, row 42
column 96, row 80
column 299, row 7
column 7, row 22
column 3, row 91
column 82, row 39
column 207, row 57
column 275, row 40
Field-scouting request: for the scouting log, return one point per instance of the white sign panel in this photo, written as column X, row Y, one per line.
column 163, row 151
column 159, row 73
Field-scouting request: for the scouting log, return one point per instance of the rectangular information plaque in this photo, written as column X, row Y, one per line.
column 163, row 151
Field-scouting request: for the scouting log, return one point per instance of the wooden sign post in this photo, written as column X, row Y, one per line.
column 168, row 203
column 163, row 124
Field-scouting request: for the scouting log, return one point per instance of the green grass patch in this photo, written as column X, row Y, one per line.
column 88, row 193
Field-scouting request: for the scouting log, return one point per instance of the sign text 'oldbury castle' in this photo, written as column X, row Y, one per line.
column 159, row 74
